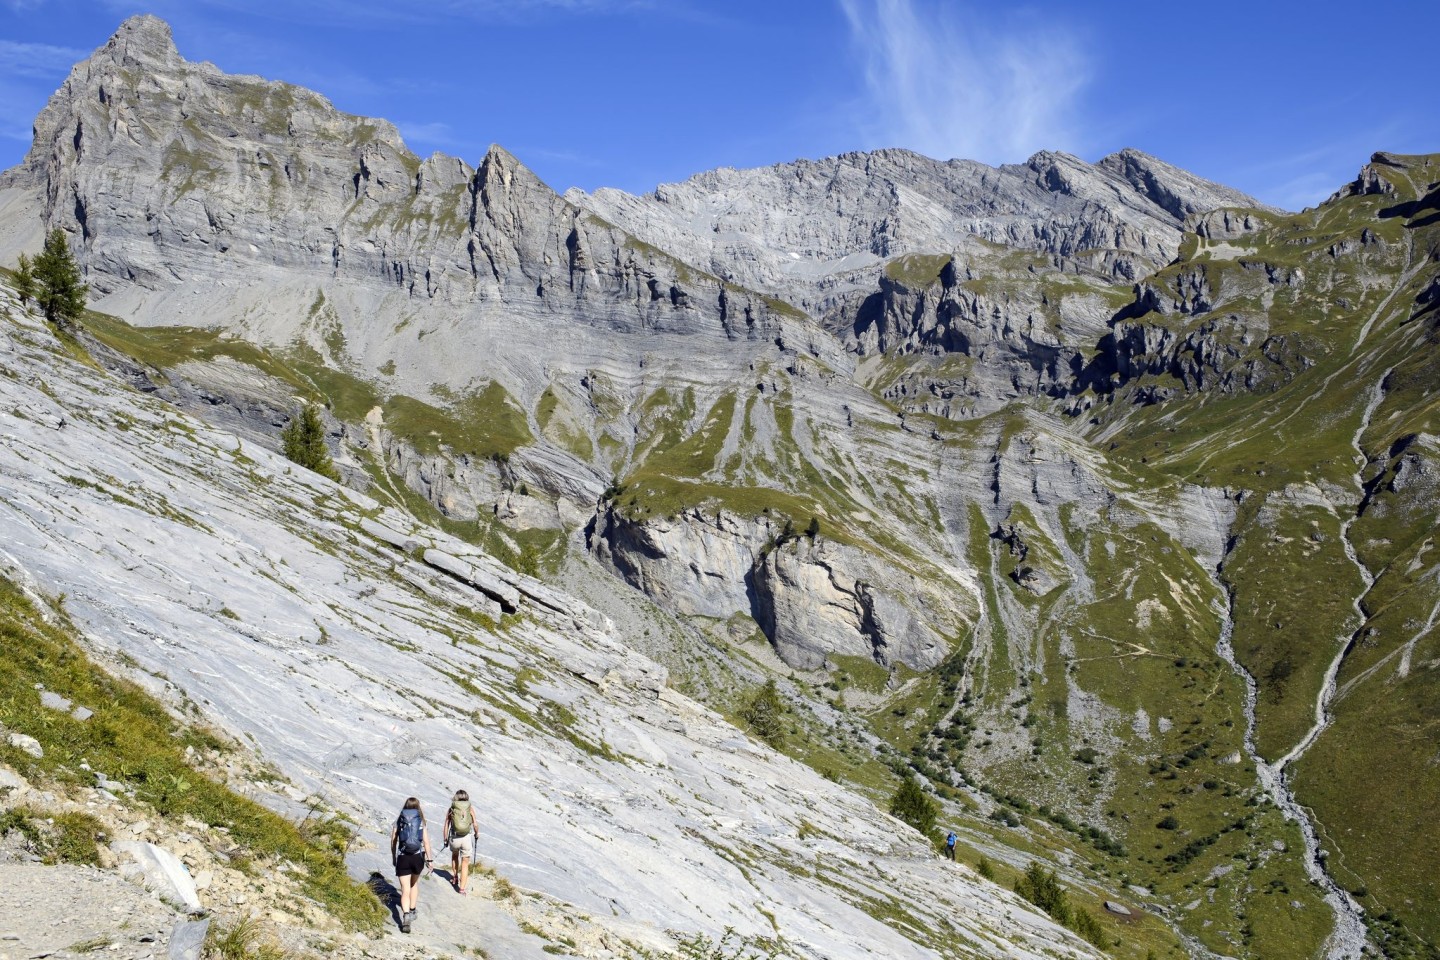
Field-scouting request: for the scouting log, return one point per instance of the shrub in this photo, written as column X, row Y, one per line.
column 914, row 806
column 1084, row 923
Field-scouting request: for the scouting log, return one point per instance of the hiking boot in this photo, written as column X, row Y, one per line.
column 405, row 919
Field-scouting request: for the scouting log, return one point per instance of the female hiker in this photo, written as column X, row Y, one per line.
column 410, row 849
column 460, row 835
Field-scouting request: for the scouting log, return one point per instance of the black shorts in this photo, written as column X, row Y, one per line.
column 409, row 864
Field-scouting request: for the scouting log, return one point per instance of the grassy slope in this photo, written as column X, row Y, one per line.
column 143, row 746
column 1287, row 445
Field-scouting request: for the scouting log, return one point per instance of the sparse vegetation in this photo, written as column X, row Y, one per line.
column 64, row 837
column 244, row 939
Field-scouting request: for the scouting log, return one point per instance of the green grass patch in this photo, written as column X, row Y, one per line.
column 918, row 270
column 484, row 424
column 66, row 837
column 143, row 746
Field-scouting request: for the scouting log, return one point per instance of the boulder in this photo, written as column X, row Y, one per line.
column 160, row 871
column 29, row 744
column 51, row 700
column 187, row 940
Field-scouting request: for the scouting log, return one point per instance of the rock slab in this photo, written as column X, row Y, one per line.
column 161, row 872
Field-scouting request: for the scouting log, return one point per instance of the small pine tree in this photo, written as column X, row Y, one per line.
column 985, row 868
column 58, row 289
column 304, row 441
column 764, row 714
column 1084, row 923
column 1041, row 888
column 813, row 530
column 914, row 806
column 25, row 280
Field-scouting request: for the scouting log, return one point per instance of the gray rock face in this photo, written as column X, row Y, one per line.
column 165, row 169
column 815, row 226
column 811, row 596
column 811, row 599
column 187, row 940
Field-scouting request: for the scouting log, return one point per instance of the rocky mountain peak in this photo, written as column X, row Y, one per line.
column 143, row 39
column 1176, row 191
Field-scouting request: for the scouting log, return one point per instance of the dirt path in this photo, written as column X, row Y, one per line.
column 448, row 923
column 67, row 911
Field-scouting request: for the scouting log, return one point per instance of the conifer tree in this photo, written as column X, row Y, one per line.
column 914, row 806
column 304, row 441
column 1041, row 888
column 25, row 280
column 764, row 714
column 57, row 286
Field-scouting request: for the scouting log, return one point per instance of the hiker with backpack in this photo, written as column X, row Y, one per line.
column 460, row 837
column 950, row 846
column 410, row 849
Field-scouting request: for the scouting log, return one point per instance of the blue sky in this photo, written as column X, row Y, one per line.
column 1282, row 99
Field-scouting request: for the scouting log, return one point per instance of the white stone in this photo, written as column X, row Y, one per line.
column 163, row 873
column 23, row 741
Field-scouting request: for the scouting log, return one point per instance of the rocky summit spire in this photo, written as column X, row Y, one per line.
column 142, row 40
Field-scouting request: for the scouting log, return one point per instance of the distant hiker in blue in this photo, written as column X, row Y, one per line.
column 410, row 849
column 950, row 845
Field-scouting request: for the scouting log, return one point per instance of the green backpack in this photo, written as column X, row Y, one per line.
column 461, row 819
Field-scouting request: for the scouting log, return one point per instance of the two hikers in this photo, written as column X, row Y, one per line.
column 410, row 849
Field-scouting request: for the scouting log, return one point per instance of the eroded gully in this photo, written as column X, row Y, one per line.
column 1348, row 939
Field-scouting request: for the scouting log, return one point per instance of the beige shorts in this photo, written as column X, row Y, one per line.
column 464, row 846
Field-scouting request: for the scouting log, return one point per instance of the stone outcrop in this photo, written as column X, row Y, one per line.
column 811, row 596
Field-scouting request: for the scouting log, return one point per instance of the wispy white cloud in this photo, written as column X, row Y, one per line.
column 563, row 156
column 28, row 73
column 946, row 81
column 36, row 60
